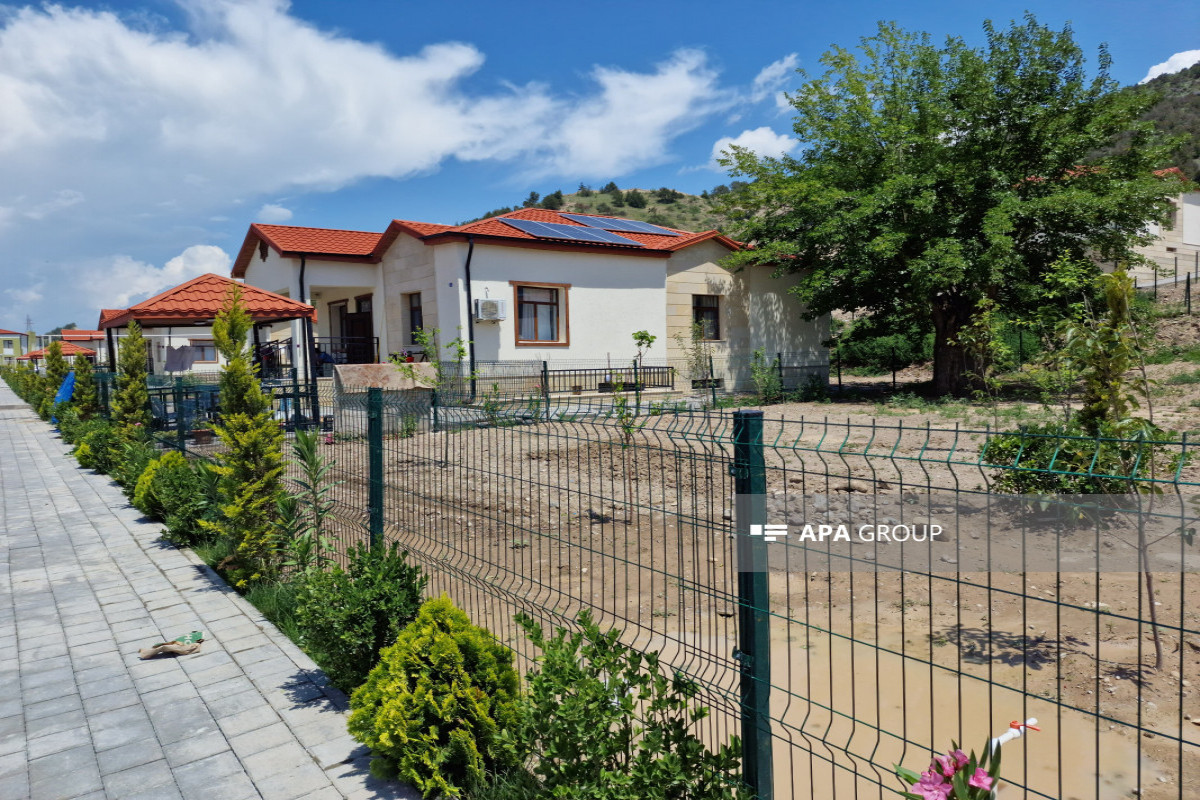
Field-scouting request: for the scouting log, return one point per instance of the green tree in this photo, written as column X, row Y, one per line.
column 532, row 200
column 86, row 398
column 56, row 367
column 933, row 177
column 585, row 190
column 131, row 403
column 609, row 188
column 635, row 199
column 251, row 468
column 553, row 201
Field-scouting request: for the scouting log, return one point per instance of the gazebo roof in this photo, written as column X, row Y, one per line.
column 68, row 349
column 197, row 302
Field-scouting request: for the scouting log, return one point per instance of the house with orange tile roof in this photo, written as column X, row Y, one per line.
column 12, row 345
column 531, row 285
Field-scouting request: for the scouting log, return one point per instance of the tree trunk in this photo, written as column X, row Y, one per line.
column 951, row 313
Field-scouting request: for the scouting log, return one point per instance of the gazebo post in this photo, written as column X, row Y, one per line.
column 112, row 352
column 310, row 344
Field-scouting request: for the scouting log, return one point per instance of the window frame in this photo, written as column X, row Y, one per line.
column 204, row 343
column 413, row 327
column 715, row 311
column 564, row 315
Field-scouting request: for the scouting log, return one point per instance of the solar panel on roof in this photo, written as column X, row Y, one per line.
column 627, row 225
column 555, row 230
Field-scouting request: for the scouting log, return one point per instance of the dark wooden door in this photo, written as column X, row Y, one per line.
column 359, row 331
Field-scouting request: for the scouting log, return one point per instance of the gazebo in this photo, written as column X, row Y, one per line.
column 69, row 350
column 197, row 302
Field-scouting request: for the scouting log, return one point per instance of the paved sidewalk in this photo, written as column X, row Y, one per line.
column 85, row 582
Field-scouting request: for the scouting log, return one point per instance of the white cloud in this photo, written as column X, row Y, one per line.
column 164, row 131
column 125, row 281
column 63, row 199
column 635, row 117
column 773, row 79
column 762, row 141
column 1175, row 63
column 270, row 212
column 28, row 295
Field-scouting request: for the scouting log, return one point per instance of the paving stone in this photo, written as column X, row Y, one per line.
column 250, row 720
column 271, row 762
column 58, row 741
column 194, row 748
column 49, row 708
column 129, row 755
column 67, row 773
column 55, row 723
column 112, row 701
column 139, row 779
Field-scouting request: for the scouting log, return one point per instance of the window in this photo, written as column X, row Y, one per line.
column 364, row 303
column 8, row 347
column 706, row 312
column 203, row 349
column 416, row 319
column 542, row 314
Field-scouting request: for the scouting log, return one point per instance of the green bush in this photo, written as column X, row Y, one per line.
column 1051, row 459
column 607, row 723
column 133, row 458
column 764, row 374
column 347, row 616
column 145, row 498
column 432, row 709
column 99, row 447
column 190, row 499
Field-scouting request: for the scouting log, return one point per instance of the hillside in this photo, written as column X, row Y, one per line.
column 662, row 206
column 1178, row 113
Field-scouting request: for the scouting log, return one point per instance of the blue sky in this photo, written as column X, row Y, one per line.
column 138, row 140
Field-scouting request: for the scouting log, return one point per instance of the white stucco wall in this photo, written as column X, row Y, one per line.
column 324, row 282
column 408, row 267
column 610, row 296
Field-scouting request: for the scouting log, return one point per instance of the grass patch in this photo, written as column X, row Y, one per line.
column 277, row 602
column 1170, row 355
column 1184, row 378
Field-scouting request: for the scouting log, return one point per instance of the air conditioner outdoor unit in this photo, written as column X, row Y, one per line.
column 487, row 310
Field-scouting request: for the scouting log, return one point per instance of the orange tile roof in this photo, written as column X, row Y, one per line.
column 77, row 335
column 496, row 228
column 108, row 313
column 290, row 240
column 68, row 349
column 10, row 333
column 197, row 302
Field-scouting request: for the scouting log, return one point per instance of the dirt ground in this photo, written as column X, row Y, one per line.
column 868, row 668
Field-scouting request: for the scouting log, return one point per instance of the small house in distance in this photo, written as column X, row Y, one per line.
column 536, row 285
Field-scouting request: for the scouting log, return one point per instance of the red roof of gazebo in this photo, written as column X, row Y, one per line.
column 68, row 349
column 197, row 302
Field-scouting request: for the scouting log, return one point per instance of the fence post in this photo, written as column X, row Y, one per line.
column 893, row 368
column 1187, row 290
column 433, row 405
column 779, row 369
column 546, row 388
column 177, row 401
column 754, row 640
column 375, row 463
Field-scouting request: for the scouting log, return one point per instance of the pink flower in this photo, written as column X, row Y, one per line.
column 960, row 759
column 932, row 786
column 980, row 780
